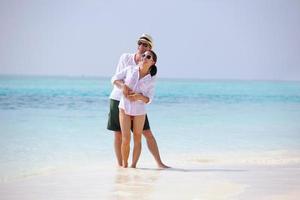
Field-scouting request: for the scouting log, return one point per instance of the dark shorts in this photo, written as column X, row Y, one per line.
column 113, row 117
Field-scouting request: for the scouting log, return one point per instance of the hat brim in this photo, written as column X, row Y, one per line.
column 146, row 41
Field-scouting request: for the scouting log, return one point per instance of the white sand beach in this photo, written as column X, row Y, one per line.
column 200, row 178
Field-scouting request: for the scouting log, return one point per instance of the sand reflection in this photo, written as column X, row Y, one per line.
column 134, row 184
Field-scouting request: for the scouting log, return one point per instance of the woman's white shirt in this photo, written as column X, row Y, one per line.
column 131, row 77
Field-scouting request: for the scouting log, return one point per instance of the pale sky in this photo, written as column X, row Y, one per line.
column 203, row 39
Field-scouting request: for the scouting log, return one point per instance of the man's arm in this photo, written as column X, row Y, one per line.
column 121, row 85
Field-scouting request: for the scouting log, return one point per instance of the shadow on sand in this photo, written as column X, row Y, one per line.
column 193, row 170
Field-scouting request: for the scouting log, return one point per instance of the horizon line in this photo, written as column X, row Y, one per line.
column 170, row 78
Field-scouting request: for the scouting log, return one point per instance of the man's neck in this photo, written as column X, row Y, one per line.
column 137, row 57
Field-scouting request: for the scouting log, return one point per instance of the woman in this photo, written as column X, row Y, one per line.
column 138, row 90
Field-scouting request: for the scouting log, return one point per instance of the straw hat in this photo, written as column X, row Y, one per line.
column 147, row 39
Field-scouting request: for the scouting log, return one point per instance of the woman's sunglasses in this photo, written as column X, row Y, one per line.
column 147, row 56
column 144, row 44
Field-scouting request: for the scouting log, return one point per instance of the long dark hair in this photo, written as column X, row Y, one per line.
column 153, row 68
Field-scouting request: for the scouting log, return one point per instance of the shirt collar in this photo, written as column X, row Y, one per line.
column 148, row 77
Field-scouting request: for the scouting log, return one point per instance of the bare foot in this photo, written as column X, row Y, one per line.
column 125, row 165
column 163, row 166
column 119, row 166
column 133, row 166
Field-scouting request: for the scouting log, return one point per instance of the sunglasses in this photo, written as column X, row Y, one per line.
column 144, row 44
column 146, row 56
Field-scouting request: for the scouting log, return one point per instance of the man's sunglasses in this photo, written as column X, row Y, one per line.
column 144, row 44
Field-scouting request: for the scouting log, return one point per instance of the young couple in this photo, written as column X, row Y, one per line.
column 133, row 89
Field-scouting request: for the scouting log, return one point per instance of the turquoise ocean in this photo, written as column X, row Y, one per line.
column 50, row 122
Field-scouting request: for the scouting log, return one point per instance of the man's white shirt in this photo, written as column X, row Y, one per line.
column 125, row 60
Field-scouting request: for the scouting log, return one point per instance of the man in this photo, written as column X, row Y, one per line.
column 145, row 43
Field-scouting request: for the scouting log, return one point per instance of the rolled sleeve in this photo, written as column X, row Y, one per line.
column 119, row 75
column 121, row 66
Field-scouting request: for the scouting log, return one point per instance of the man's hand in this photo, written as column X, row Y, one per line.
column 126, row 90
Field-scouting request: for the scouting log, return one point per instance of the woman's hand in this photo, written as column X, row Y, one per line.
column 137, row 96
column 134, row 96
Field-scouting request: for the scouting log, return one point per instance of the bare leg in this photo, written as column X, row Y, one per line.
column 117, row 146
column 152, row 146
column 125, row 123
column 138, row 124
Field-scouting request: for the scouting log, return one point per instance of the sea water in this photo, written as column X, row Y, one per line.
column 48, row 122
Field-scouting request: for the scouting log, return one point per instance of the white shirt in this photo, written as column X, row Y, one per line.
column 125, row 60
column 131, row 77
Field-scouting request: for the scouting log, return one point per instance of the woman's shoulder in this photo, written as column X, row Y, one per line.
column 148, row 80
